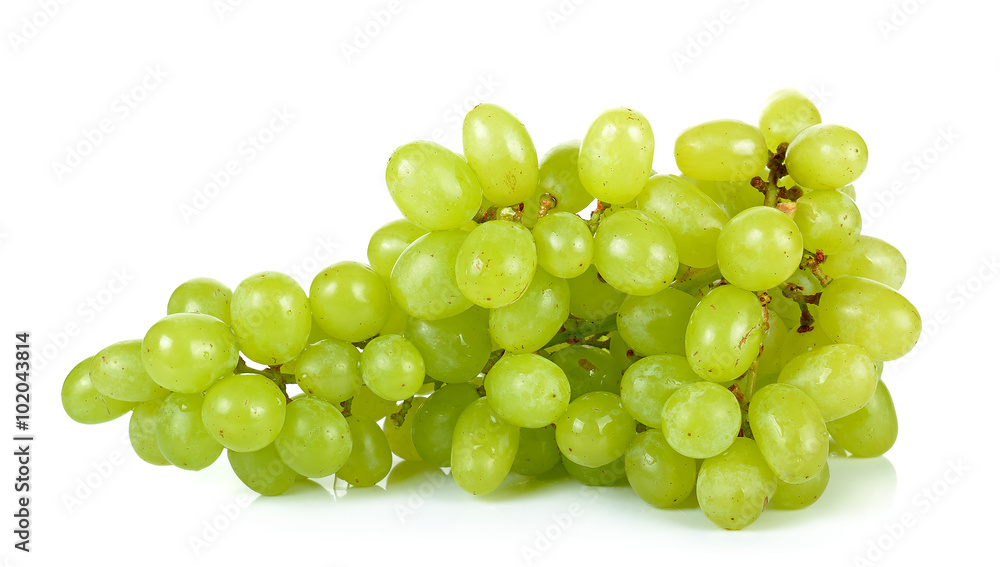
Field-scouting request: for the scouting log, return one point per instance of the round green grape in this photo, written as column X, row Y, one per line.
column 83, row 403
column 454, row 349
column 829, row 221
column 839, row 378
column 392, row 367
column 871, row 315
column 870, row 431
column 658, row 474
column 724, row 333
column 588, row 369
column 656, row 324
column 329, row 369
column 188, row 352
column 700, row 420
column 564, row 243
column 181, row 435
column 498, row 148
column 117, row 372
column 692, row 217
column 483, row 449
column 595, row 429
column 869, row 258
column 826, row 156
column 350, row 301
column 649, row 383
column 635, row 253
column 616, row 156
column 244, row 412
column 559, row 176
column 315, row 440
column 537, row 451
column 527, row 390
column 759, row 248
column 496, row 263
column 271, row 318
column 423, row 280
column 370, row 458
column 734, row 487
column 434, row 422
column 786, row 113
column 721, row 150
column 432, row 186
column 263, row 471
column 142, row 432
column 202, row 295
column 533, row 319
column 789, row 429
column 389, row 241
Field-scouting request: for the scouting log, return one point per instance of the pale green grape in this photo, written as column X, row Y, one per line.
column 658, row 474
column 588, row 369
column 263, row 471
column 635, row 253
column 591, row 298
column 496, row 263
column 774, row 337
column 423, row 280
column 849, row 191
column 188, row 352
column 83, row 403
column 609, row 474
column 565, row 244
column 400, row 435
column 392, row 367
column 693, row 218
column 396, row 323
column 622, row 353
column 721, row 150
column 117, row 372
column 829, row 221
column 786, row 113
column 724, row 334
column 537, row 451
column 797, row 343
column 789, row 429
column 870, row 431
column 483, row 448
column 389, row 241
column 649, row 383
column 826, row 156
column 731, row 196
column 839, row 378
column 529, row 323
column 350, row 301
column 798, row 496
column 559, row 176
column 181, row 436
column 700, row 420
column 616, row 156
column 498, row 148
column 432, row 186
column 454, row 349
column 329, row 369
column 370, row 458
column 142, row 432
column 244, row 412
column 734, row 488
column 367, row 404
column 759, row 248
column 434, row 422
column 201, row 295
column 316, row 439
column 595, row 429
column 869, row 258
column 869, row 314
column 271, row 318
column 527, row 390
column 655, row 324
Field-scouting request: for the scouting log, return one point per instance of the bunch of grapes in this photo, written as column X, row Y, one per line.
column 700, row 334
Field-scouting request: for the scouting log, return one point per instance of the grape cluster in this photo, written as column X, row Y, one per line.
column 700, row 334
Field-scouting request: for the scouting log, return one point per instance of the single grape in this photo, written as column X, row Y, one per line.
column 537, row 451
column 188, row 352
column 83, row 403
column 142, row 432
column 769, row 361
column 496, row 263
column 826, row 156
column 635, row 253
column 366, row 404
column 244, row 412
column 434, row 422
column 389, row 241
column 591, row 298
column 559, row 176
column 396, row 324
column 454, row 349
column 870, row 431
column 527, row 390
column 869, row 314
column 181, row 435
column 829, row 221
column 839, row 378
column 423, row 280
column 350, row 301
column 658, row 474
column 201, row 295
column 263, row 471
column 609, row 474
column 271, row 318
column 432, row 186
column 734, row 487
column 399, row 432
column 588, row 369
column 789, row 429
column 721, row 150
column 498, row 148
column 724, row 334
column 533, row 319
column 117, row 372
column 786, row 113
column 700, row 420
column 732, row 197
column 869, row 258
column 370, row 458
column 564, row 243
column 483, row 449
column 315, row 440
column 616, row 156
column 649, row 383
column 799, row 496
column 759, row 248
column 392, row 367
column 656, row 324
column 595, row 429
column 692, row 217
column 330, row 370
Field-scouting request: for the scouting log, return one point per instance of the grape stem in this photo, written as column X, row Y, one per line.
column 794, row 292
column 575, row 331
column 775, row 171
column 696, row 278
column 400, row 415
column 811, row 261
column 272, row 373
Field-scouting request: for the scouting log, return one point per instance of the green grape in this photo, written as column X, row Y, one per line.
column 870, row 431
column 724, row 334
column 434, row 422
column 330, row 370
column 83, row 403
column 350, row 301
column 396, row 324
column 700, row 420
column 423, row 280
column 498, row 148
column 392, row 367
column 181, row 436
column 389, row 241
column 797, row 343
column 759, row 248
column 693, row 218
column 655, row 324
column 658, row 474
column 271, row 318
column 370, row 458
column 400, row 434
column 869, row 314
column 649, row 383
column 591, row 298
column 829, row 221
column 263, row 471
column 769, row 361
column 529, row 323
column 826, row 156
column 496, row 263
column 789, row 429
column 367, row 404
column 786, row 113
column 483, row 448
column 849, row 191
column 731, row 196
column 565, row 244
column 595, row 429
column 527, row 390
column 188, row 352
column 537, row 451
column 839, row 378
column 117, row 372
column 635, row 253
column 201, row 295
column 432, row 186
column 588, row 369
column 734, row 488
column 721, row 150
column 316, row 438
column 142, row 432
column 454, row 349
column 799, row 496
column 244, row 412
column 559, row 176
column 616, row 156
column 622, row 353
column 870, row 258
column 608, row 474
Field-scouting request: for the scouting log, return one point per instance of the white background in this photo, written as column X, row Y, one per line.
column 917, row 80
